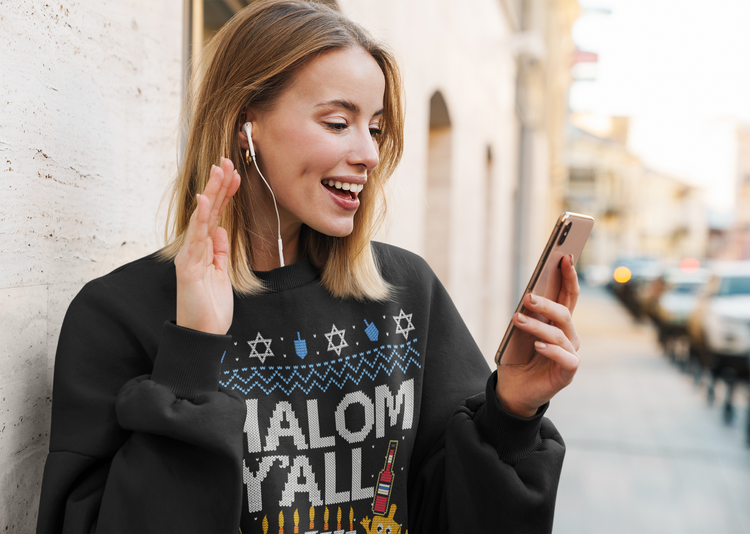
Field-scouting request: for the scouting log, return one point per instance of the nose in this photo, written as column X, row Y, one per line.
column 365, row 151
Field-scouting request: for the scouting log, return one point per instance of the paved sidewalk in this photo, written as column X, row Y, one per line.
column 645, row 452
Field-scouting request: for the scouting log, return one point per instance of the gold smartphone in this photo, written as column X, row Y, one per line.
column 568, row 237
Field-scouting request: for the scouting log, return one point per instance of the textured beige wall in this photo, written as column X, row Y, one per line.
column 91, row 93
column 462, row 49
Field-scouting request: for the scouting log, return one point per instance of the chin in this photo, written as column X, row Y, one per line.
column 335, row 230
column 340, row 233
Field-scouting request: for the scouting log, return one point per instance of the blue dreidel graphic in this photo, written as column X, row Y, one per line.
column 371, row 331
column 300, row 347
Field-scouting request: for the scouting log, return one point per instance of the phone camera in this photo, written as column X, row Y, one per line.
column 564, row 234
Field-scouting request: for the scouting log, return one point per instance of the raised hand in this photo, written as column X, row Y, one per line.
column 204, row 292
column 522, row 389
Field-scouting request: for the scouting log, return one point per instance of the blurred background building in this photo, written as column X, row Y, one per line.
column 638, row 210
column 506, row 127
column 739, row 232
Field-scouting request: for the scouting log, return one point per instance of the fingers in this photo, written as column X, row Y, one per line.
column 553, row 344
column 570, row 289
column 567, row 361
column 549, row 333
column 560, row 316
column 234, row 186
column 221, row 249
column 222, row 184
column 197, row 230
column 193, row 252
column 201, row 233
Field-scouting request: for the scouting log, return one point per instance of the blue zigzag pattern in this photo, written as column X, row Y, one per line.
column 323, row 375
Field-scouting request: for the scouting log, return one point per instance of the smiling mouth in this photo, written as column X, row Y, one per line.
column 343, row 190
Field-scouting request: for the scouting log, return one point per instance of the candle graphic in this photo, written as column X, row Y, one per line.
column 281, row 522
column 385, row 482
column 312, row 518
column 325, row 519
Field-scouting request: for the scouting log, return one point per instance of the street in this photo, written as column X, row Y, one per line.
column 645, row 451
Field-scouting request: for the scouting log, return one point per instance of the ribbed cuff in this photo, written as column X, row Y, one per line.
column 514, row 437
column 188, row 362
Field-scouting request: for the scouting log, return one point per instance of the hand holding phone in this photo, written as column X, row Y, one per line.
column 568, row 237
column 539, row 353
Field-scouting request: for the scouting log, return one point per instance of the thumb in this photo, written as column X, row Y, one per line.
column 570, row 289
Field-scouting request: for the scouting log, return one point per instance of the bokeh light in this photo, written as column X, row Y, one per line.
column 689, row 265
column 622, row 274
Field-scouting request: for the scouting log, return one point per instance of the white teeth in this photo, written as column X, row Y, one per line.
column 346, row 186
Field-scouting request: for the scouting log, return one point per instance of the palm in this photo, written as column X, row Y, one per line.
column 535, row 383
column 204, row 291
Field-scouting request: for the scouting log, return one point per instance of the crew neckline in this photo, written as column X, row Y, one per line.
column 288, row 277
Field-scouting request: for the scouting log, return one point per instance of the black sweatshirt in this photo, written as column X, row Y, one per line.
column 313, row 414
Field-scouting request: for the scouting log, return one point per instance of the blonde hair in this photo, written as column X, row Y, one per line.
column 250, row 62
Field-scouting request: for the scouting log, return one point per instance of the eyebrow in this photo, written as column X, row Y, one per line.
column 345, row 104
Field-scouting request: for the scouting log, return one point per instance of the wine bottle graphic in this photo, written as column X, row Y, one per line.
column 385, row 481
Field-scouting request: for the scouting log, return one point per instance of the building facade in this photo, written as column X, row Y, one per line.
column 639, row 211
column 738, row 239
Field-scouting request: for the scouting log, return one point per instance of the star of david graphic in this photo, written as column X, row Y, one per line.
column 254, row 346
column 409, row 326
column 336, row 332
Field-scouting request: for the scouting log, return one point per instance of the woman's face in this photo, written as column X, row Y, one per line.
column 318, row 143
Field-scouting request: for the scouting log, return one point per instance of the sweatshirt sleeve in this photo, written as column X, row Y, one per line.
column 476, row 468
column 138, row 446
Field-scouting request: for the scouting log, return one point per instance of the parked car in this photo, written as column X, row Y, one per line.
column 719, row 327
column 641, row 270
column 671, row 308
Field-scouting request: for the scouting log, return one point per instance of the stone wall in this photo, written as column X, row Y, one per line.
column 91, row 94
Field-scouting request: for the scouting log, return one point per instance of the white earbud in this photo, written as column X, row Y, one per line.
column 248, row 129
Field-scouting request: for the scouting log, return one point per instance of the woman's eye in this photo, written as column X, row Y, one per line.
column 336, row 126
column 375, row 132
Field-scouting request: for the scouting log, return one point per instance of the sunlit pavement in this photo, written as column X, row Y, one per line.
column 645, row 451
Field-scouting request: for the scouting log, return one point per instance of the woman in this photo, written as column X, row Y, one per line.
column 225, row 383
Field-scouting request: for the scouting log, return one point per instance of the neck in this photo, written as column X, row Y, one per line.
column 264, row 239
column 266, row 248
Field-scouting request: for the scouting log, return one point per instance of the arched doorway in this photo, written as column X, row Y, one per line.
column 439, row 166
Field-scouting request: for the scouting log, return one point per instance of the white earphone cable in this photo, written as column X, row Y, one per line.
column 248, row 128
column 275, row 206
